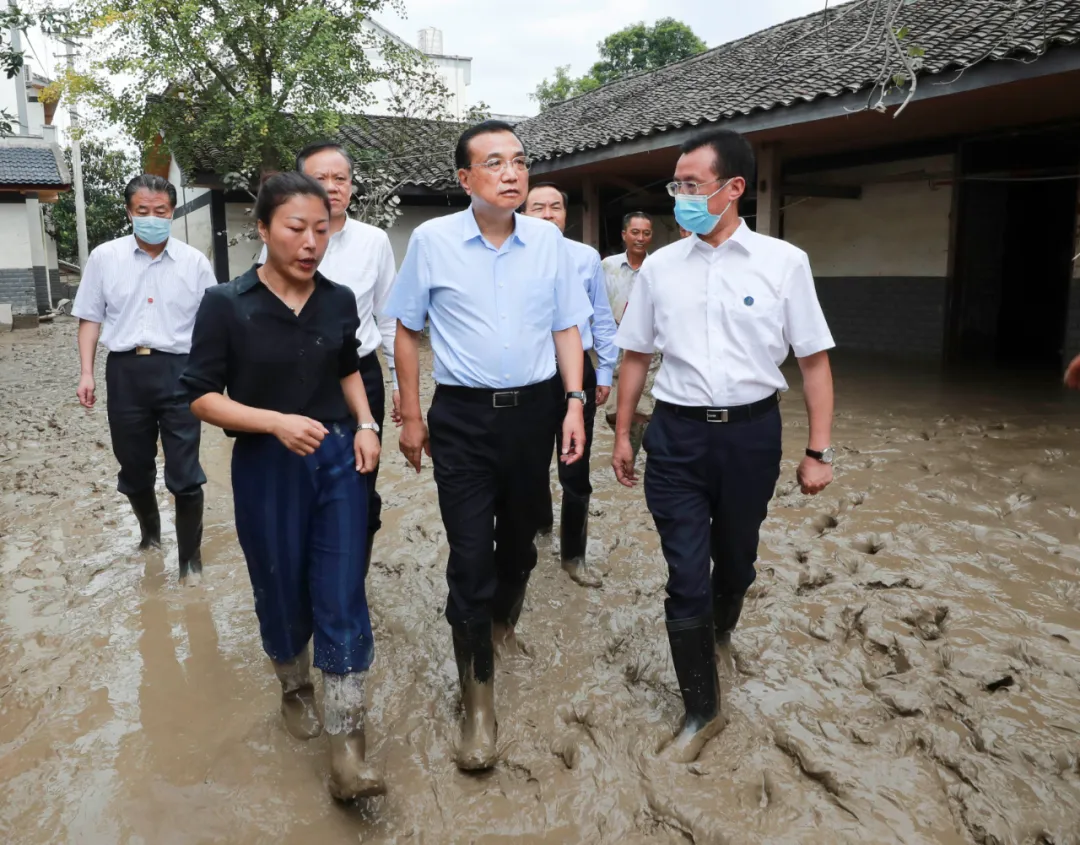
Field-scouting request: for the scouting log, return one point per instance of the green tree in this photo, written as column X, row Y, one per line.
column 245, row 82
column 634, row 48
column 13, row 18
column 106, row 171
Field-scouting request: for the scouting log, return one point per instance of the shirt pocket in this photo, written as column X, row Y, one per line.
column 756, row 317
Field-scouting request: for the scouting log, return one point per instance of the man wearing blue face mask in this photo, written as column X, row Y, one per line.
column 138, row 296
column 723, row 305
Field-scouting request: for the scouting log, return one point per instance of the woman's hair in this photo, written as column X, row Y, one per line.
column 280, row 188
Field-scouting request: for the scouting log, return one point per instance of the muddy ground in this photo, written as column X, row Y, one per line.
column 907, row 669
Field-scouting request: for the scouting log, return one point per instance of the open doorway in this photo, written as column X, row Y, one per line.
column 1015, row 237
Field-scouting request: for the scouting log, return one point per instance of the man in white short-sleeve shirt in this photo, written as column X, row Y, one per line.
column 723, row 306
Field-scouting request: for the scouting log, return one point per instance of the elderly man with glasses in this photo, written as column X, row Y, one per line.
column 503, row 298
column 723, row 306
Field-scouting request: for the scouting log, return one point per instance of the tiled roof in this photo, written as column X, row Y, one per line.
column 798, row 61
column 30, row 165
column 421, row 152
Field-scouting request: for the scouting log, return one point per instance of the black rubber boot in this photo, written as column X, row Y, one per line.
column 693, row 653
column 189, row 531
column 726, row 611
column 146, row 509
column 475, row 657
column 574, row 540
column 505, row 612
column 370, row 548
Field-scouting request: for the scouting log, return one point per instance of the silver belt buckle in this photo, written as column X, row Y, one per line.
column 716, row 415
column 511, row 397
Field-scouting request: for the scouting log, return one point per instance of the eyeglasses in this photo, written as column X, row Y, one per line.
column 688, row 188
column 496, row 165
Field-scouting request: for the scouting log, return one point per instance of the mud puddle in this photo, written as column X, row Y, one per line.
column 907, row 669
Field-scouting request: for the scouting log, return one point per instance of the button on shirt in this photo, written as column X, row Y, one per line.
column 492, row 311
column 361, row 258
column 619, row 279
column 143, row 301
column 598, row 332
column 724, row 317
column 249, row 343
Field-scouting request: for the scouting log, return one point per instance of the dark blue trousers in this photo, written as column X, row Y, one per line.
column 302, row 523
column 708, row 487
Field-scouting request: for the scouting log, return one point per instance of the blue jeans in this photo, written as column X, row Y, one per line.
column 302, row 523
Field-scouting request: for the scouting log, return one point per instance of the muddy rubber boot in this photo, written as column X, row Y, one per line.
column 298, row 696
column 726, row 611
column 351, row 775
column 574, row 540
column 505, row 612
column 693, row 653
column 146, row 509
column 189, row 531
column 475, row 657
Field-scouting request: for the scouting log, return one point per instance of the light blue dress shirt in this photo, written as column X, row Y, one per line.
column 598, row 332
column 492, row 311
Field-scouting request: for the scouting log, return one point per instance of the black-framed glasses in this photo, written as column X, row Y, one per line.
column 520, row 164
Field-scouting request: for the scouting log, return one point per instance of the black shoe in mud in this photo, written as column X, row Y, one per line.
column 726, row 612
column 694, row 655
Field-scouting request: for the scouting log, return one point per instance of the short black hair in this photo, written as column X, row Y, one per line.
column 565, row 196
column 461, row 153
column 734, row 155
column 155, row 184
column 281, row 187
column 318, row 147
column 627, row 218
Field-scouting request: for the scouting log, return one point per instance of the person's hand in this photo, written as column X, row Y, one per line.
column 367, row 448
column 413, row 441
column 85, row 391
column 298, row 434
column 622, row 461
column 1072, row 374
column 813, row 475
column 395, row 413
column 573, row 433
column 603, row 391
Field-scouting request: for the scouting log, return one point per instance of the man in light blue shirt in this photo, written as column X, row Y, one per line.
column 547, row 202
column 502, row 296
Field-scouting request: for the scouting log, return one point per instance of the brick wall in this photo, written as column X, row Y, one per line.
column 41, row 289
column 54, row 284
column 901, row 315
column 17, row 287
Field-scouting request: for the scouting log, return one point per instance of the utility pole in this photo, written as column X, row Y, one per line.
column 76, row 167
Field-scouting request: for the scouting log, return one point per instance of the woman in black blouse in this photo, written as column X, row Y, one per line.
column 281, row 341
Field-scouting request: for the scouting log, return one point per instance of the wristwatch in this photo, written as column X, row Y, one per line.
column 825, row 455
column 576, row 394
column 368, row 426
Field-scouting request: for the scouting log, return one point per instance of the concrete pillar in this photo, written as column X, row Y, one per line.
column 39, row 262
column 590, row 214
column 769, row 196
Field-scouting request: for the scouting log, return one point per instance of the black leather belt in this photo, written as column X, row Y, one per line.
column 511, row 398
column 736, row 413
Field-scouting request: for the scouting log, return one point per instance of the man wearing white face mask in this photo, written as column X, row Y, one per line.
column 139, row 295
column 723, row 305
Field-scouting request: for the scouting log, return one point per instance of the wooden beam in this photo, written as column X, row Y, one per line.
column 769, row 190
column 808, row 189
column 590, row 215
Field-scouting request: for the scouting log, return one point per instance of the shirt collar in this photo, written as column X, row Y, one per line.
column 741, row 237
column 471, row 229
column 250, row 279
column 167, row 251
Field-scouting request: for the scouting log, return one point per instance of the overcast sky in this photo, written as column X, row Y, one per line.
column 514, row 46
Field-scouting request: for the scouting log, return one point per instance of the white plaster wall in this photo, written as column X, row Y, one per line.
column 15, row 248
column 246, row 250
column 900, row 226
column 412, row 217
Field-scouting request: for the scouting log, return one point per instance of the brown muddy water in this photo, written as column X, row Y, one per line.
column 907, row 669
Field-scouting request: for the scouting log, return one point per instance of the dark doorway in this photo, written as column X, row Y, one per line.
column 1016, row 228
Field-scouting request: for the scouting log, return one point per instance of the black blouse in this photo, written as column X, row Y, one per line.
column 248, row 342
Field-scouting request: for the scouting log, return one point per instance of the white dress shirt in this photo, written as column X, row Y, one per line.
column 143, row 301
column 361, row 258
column 724, row 318
column 619, row 279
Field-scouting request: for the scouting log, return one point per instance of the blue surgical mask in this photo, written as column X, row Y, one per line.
column 151, row 230
column 692, row 212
